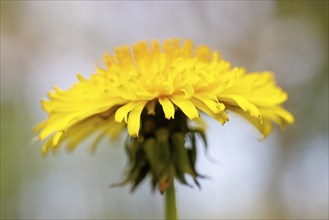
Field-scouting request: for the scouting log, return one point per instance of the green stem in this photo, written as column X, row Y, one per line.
column 170, row 203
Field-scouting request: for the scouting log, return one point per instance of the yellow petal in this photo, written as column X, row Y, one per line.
column 278, row 115
column 57, row 137
column 46, row 146
column 265, row 127
column 150, row 107
column 273, row 114
column 241, row 102
column 219, row 116
column 211, row 103
column 168, row 108
column 135, row 118
column 122, row 112
column 188, row 91
column 186, row 106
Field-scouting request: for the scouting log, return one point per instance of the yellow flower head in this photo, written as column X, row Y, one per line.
column 174, row 74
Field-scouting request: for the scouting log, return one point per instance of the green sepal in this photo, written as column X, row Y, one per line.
column 165, row 149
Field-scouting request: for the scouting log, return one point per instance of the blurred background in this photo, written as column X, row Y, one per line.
column 45, row 43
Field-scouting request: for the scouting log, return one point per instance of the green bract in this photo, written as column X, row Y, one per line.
column 165, row 150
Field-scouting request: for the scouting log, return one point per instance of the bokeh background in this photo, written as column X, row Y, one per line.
column 45, row 43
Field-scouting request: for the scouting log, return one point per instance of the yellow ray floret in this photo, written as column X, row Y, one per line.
column 174, row 74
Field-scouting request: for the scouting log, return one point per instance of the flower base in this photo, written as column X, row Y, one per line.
column 165, row 150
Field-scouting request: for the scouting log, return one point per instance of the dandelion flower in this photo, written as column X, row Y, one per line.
column 153, row 90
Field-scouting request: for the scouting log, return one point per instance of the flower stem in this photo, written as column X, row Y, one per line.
column 170, row 203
